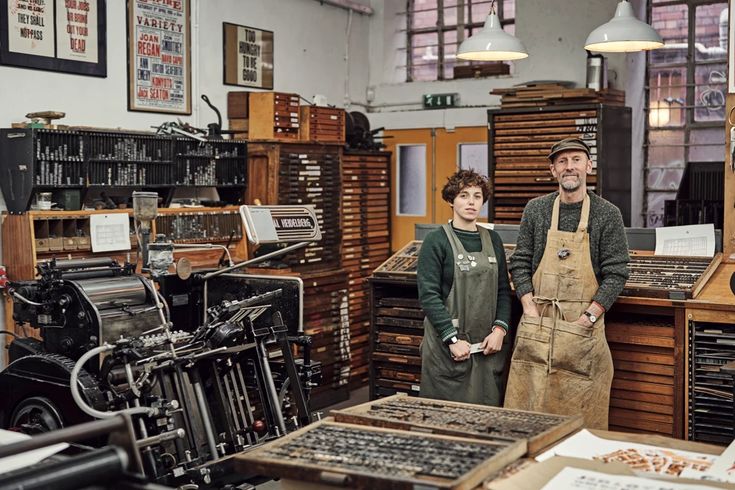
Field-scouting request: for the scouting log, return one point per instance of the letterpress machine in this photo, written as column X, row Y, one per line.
column 203, row 362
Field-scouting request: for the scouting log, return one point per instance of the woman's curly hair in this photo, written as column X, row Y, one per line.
column 460, row 180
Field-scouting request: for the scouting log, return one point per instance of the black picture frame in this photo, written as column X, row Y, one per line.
column 48, row 63
column 230, row 54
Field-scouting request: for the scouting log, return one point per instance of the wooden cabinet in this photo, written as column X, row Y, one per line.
column 711, row 343
column 520, row 139
column 301, row 173
column 365, row 220
column 42, row 235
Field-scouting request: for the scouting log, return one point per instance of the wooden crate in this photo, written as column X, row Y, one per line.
column 273, row 116
column 270, row 461
column 237, row 105
column 537, row 430
column 322, row 124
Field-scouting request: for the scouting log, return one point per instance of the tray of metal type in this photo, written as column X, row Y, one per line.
column 353, row 456
column 402, row 263
column 539, row 430
column 408, row 350
column 399, row 339
column 672, row 277
column 406, row 373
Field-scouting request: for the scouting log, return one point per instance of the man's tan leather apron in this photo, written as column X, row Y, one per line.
column 472, row 302
column 559, row 366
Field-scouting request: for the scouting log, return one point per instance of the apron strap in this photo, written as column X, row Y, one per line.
column 557, row 311
column 555, row 214
column 583, row 219
column 585, row 216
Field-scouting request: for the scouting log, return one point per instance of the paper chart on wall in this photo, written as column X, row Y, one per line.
column 110, row 232
column 639, row 457
column 579, row 479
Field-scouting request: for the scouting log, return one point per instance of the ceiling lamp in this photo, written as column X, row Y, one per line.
column 623, row 34
column 492, row 43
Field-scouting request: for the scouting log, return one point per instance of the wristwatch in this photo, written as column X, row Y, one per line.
column 591, row 316
column 451, row 340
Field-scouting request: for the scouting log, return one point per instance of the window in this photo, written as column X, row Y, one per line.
column 435, row 28
column 685, row 96
column 411, row 195
column 474, row 156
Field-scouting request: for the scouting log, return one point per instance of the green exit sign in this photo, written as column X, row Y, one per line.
column 436, row 101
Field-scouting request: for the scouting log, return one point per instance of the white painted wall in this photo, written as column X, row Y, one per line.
column 310, row 58
column 310, row 43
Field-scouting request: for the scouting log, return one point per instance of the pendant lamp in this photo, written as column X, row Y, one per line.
column 624, row 33
column 492, row 43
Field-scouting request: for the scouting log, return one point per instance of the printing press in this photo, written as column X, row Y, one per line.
column 203, row 363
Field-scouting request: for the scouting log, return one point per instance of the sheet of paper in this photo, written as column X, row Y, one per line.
column 690, row 240
column 18, row 461
column 475, row 348
column 639, row 457
column 723, row 469
column 579, row 479
column 110, row 232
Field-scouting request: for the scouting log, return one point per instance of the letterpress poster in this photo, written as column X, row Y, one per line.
column 159, row 66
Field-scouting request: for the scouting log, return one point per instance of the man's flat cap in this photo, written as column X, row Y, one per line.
column 569, row 144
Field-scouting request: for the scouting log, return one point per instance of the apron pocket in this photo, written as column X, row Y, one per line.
column 573, row 348
column 532, row 341
column 565, row 284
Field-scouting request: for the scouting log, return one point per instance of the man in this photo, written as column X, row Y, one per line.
column 568, row 268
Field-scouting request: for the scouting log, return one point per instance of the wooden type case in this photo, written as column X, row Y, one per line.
column 262, row 461
column 539, row 431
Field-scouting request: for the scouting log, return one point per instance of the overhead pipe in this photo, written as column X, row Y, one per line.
column 349, row 5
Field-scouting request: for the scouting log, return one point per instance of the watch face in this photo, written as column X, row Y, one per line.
column 593, row 318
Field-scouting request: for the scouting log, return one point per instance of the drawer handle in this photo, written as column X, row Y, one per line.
column 544, row 179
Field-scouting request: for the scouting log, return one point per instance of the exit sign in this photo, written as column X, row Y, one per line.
column 436, row 101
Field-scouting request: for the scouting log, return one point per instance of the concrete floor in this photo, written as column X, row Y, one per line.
column 357, row 397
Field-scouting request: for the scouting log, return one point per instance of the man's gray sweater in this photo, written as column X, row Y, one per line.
column 608, row 244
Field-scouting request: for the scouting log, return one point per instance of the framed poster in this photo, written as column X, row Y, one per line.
column 247, row 56
column 159, row 56
column 55, row 35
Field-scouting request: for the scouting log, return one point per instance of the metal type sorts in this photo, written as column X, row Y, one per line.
column 499, row 423
column 383, row 453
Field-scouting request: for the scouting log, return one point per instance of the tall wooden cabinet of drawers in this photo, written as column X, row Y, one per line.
column 520, row 139
column 365, row 243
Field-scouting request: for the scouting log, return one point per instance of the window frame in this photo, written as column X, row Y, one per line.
column 689, row 124
column 440, row 29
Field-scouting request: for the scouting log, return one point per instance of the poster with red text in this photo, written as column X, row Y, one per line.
column 159, row 66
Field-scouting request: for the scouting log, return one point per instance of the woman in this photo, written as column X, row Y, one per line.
column 465, row 293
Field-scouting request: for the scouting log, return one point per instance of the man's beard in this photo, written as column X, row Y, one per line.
column 569, row 185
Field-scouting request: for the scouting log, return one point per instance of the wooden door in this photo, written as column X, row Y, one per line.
column 421, row 161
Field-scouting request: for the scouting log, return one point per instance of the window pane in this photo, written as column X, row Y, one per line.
column 509, row 9
column 411, row 196
column 480, row 11
column 450, row 54
column 671, row 23
column 707, row 145
column 710, row 32
column 424, row 58
column 666, row 96
column 709, row 94
column 655, row 203
column 663, row 179
column 666, row 148
column 474, row 156
column 422, row 15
